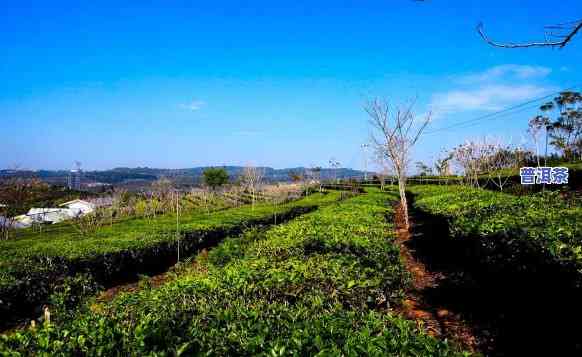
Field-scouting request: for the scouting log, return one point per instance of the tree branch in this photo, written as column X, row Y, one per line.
column 565, row 39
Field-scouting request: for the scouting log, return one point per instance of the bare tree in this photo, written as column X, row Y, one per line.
column 86, row 224
column 501, row 157
column 397, row 130
column 472, row 157
column 315, row 174
column 12, row 194
column 309, row 179
column 252, row 179
column 117, row 204
column 556, row 36
column 7, row 221
column 383, row 173
column 489, row 158
column 206, row 194
column 233, row 194
column 385, row 169
column 161, row 196
column 15, row 194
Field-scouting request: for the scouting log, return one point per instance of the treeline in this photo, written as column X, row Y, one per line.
column 189, row 176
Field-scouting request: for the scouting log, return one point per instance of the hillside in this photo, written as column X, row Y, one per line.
column 121, row 175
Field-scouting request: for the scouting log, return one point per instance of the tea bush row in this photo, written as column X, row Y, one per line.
column 30, row 270
column 544, row 220
column 322, row 284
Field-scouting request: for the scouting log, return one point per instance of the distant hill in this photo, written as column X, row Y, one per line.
column 123, row 175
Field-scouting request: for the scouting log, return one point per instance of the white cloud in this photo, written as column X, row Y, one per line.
column 193, row 105
column 485, row 98
column 490, row 90
column 507, row 71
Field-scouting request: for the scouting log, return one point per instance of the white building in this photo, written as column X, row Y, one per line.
column 79, row 207
column 68, row 210
column 22, row 221
column 49, row 215
column 75, row 179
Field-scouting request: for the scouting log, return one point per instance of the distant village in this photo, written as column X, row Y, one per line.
column 98, row 185
column 68, row 210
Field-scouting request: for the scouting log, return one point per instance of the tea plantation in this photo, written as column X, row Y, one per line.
column 31, row 267
column 543, row 220
column 325, row 277
column 322, row 284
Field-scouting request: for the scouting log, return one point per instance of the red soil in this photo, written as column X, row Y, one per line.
column 436, row 320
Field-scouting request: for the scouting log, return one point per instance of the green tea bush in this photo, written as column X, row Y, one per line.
column 515, row 263
column 544, row 219
column 318, row 285
column 69, row 293
column 31, row 268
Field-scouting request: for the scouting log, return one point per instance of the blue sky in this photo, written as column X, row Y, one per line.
column 179, row 84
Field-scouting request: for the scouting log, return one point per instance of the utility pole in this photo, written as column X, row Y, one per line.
column 364, row 153
column 334, row 164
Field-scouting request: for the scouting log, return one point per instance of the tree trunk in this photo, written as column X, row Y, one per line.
column 403, row 202
column 253, row 198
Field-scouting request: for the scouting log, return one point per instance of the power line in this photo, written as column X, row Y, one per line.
column 491, row 116
column 499, row 116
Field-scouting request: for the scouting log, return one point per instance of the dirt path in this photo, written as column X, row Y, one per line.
column 490, row 295
column 438, row 321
